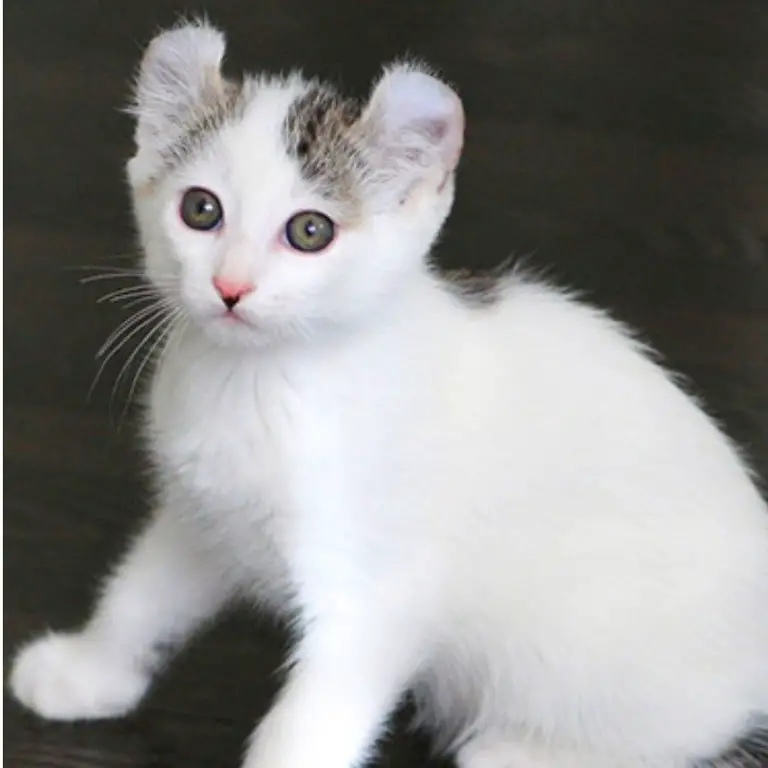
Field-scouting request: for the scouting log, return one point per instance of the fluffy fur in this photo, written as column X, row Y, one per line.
column 505, row 507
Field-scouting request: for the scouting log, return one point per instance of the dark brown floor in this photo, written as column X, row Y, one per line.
column 624, row 143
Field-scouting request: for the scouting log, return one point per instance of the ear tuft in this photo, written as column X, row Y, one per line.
column 179, row 75
column 416, row 123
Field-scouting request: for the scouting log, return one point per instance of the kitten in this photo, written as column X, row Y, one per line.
column 504, row 507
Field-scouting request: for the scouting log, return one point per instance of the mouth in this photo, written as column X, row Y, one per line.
column 232, row 318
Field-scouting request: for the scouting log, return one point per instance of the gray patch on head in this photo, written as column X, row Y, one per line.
column 220, row 105
column 319, row 133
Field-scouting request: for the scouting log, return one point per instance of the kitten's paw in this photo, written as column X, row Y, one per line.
column 68, row 677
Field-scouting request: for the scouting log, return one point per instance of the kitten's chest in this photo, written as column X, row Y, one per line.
column 231, row 436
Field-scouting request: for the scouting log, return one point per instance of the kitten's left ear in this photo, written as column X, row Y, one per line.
column 414, row 125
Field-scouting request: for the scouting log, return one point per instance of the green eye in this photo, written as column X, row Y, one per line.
column 309, row 231
column 201, row 209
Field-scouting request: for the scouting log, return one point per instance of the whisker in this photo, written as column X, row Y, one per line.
column 154, row 327
column 117, row 345
column 104, row 268
column 145, row 315
column 100, row 268
column 165, row 281
column 158, row 312
column 122, row 273
column 135, row 317
column 112, row 276
column 141, row 300
column 168, row 325
column 127, row 293
column 183, row 325
column 151, row 325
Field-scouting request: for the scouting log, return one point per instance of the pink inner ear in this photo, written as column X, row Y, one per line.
column 446, row 133
column 435, row 129
column 413, row 100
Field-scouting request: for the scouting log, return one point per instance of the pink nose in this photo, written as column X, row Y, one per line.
column 231, row 291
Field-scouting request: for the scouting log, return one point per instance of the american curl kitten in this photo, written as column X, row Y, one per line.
column 505, row 508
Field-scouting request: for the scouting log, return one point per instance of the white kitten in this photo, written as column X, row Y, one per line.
column 505, row 507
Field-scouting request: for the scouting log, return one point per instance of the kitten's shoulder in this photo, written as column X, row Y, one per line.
column 525, row 300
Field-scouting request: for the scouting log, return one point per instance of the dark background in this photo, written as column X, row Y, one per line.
column 623, row 143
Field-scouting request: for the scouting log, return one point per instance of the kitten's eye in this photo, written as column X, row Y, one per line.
column 309, row 231
column 201, row 209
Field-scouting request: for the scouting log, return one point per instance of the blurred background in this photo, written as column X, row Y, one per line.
column 623, row 146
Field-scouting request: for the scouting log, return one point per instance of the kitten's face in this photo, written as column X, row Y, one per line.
column 272, row 209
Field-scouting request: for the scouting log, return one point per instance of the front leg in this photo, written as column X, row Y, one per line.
column 163, row 590
column 350, row 671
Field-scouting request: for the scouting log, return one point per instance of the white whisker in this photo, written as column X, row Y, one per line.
column 125, row 325
column 123, row 273
column 102, row 268
column 154, row 312
column 153, row 328
column 112, row 276
column 143, row 299
column 167, row 327
column 127, row 293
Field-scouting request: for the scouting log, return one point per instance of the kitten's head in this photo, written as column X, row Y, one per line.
column 274, row 207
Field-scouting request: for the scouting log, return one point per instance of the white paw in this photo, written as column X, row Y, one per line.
column 68, row 677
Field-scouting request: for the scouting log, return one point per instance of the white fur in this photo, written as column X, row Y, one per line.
column 510, row 510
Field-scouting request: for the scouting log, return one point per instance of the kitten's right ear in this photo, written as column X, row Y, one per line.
column 179, row 77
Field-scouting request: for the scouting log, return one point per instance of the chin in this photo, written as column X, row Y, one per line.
column 247, row 333
column 232, row 332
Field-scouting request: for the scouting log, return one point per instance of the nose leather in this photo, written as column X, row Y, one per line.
column 231, row 291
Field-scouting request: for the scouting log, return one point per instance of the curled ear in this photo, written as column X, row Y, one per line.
column 179, row 78
column 414, row 126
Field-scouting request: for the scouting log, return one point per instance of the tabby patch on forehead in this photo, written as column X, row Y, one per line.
column 223, row 102
column 318, row 133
